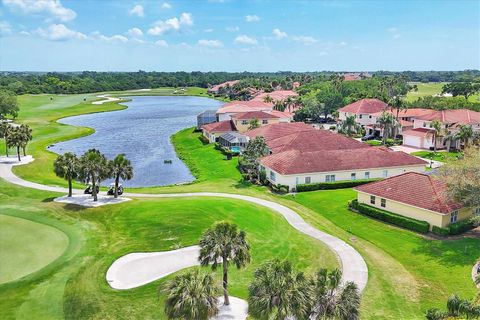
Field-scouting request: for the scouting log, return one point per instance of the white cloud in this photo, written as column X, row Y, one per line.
column 392, row 29
column 135, row 33
column 343, row 43
column 5, row 28
column 252, row 18
column 397, row 36
column 137, row 10
column 24, row 33
column 210, row 43
column 52, row 8
column 244, row 39
column 172, row 24
column 114, row 38
column 59, row 32
column 166, row 5
column 232, row 29
column 305, row 39
column 208, row 30
column 279, row 34
column 161, row 43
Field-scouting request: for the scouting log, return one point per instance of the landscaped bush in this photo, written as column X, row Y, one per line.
column 440, row 231
column 332, row 185
column 333, row 128
column 407, row 223
column 374, row 143
column 460, row 227
column 281, row 188
column 389, row 142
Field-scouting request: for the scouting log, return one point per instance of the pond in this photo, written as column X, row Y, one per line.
column 142, row 132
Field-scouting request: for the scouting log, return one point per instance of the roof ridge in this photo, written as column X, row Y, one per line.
column 437, row 197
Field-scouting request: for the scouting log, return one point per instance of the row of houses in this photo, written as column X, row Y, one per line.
column 415, row 123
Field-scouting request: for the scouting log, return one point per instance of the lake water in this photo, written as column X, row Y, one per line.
column 142, row 132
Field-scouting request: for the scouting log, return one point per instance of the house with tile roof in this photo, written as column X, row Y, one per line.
column 234, row 107
column 362, row 110
column 214, row 130
column 216, row 89
column 415, row 195
column 243, row 120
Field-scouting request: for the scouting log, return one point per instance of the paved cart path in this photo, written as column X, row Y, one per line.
column 125, row 272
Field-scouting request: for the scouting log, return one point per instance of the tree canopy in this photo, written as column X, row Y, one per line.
column 8, row 104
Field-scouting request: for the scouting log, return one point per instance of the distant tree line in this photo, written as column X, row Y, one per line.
column 88, row 81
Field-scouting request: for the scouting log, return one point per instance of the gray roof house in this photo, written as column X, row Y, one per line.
column 206, row 117
column 233, row 139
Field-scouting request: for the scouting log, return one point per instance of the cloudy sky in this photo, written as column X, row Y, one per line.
column 234, row 35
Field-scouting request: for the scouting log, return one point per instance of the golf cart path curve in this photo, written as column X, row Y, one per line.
column 353, row 265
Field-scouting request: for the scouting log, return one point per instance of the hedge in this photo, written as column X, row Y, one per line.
column 460, row 227
column 333, row 185
column 440, row 231
column 407, row 223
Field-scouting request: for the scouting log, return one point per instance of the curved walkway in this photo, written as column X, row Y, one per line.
column 353, row 265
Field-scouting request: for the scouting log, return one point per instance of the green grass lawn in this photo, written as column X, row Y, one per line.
column 27, row 246
column 425, row 89
column 74, row 286
column 407, row 273
column 441, row 156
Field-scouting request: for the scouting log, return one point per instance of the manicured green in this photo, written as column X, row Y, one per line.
column 27, row 246
column 442, row 156
column 74, row 285
column 408, row 273
column 390, row 217
column 425, row 89
column 333, row 185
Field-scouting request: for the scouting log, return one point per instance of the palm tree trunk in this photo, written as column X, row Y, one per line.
column 94, row 190
column 225, row 281
column 115, row 194
column 18, row 154
column 24, row 154
column 69, row 186
column 6, row 148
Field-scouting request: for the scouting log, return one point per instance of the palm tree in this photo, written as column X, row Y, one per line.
column 465, row 134
column 389, row 125
column 120, row 168
column 192, row 295
column 279, row 105
column 4, row 131
column 93, row 168
column 349, row 126
column 27, row 133
column 332, row 300
column 268, row 99
column 223, row 242
column 279, row 292
column 398, row 104
column 437, row 131
column 289, row 103
column 253, row 124
column 16, row 139
column 66, row 167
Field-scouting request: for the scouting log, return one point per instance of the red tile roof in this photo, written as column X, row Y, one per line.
column 418, row 132
column 254, row 115
column 406, row 113
column 416, row 189
column 365, row 106
column 221, row 126
column 277, row 130
column 460, row 116
column 217, row 87
column 313, row 140
column 276, row 95
column 298, row 162
column 244, row 106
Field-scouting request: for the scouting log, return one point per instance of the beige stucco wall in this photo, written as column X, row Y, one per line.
column 212, row 136
column 406, row 210
column 244, row 127
column 362, row 119
column 294, row 179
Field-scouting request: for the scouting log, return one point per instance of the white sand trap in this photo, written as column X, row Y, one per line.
column 106, row 99
column 236, row 310
column 137, row 269
column 86, row 200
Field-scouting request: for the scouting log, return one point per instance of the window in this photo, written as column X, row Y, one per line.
column 265, row 121
column 454, row 216
column 367, row 175
column 372, row 199
column 385, row 173
column 370, row 116
column 308, row 180
column 244, row 122
column 330, row 178
column 272, row 175
column 297, row 180
column 383, row 202
column 345, row 114
column 476, row 211
column 353, row 176
column 360, row 116
column 424, row 124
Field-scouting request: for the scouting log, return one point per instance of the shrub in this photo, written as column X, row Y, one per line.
column 407, row 223
column 333, row 128
column 374, row 142
column 460, row 227
column 441, row 231
column 389, row 142
column 280, row 188
column 332, row 185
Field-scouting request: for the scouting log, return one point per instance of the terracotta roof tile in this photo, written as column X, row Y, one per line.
column 365, row 106
column 221, row 126
column 298, row 162
column 416, row 189
column 460, row 116
column 244, row 106
column 276, row 95
column 254, row 115
column 418, row 132
column 277, row 130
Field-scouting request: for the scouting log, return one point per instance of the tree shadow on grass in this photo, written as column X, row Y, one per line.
column 74, row 207
column 451, row 252
column 48, row 199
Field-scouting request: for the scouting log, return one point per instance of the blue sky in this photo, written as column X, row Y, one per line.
column 229, row 35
